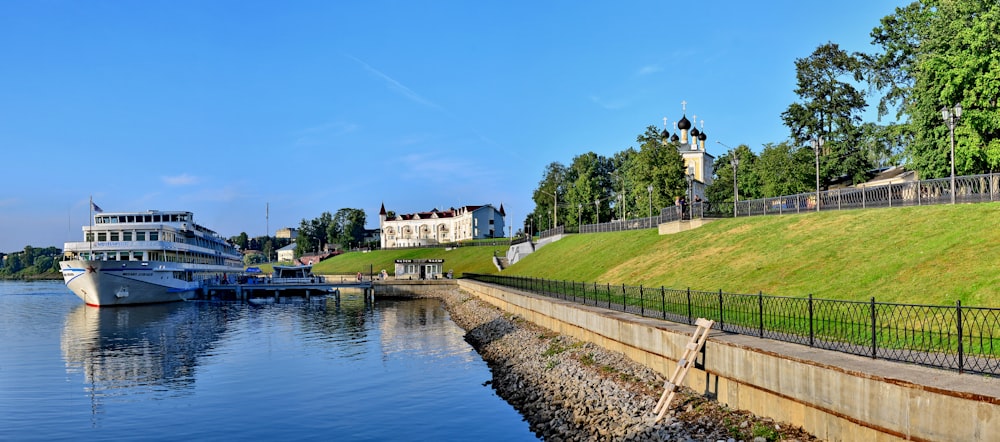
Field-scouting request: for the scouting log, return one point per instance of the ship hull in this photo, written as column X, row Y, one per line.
column 104, row 283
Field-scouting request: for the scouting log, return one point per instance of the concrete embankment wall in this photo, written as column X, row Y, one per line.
column 834, row 396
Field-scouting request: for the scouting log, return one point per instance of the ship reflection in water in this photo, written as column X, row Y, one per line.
column 145, row 350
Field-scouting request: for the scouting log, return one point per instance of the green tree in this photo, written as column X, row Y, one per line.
column 784, row 169
column 268, row 250
column 657, row 165
column 550, row 192
column 830, row 108
column 348, row 227
column 937, row 53
column 241, row 241
column 721, row 189
column 589, row 178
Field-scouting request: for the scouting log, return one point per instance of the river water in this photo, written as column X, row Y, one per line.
column 316, row 370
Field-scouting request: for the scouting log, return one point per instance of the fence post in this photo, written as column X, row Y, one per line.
column 961, row 353
column 760, row 308
column 663, row 301
column 595, row 293
column 690, row 313
column 874, row 336
column 811, row 331
column 642, row 305
column 609, row 296
column 720, row 310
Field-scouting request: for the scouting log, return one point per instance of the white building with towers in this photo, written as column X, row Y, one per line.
column 699, row 165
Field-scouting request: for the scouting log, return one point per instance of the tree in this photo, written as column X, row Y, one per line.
column 242, row 241
column 589, row 178
column 830, row 108
column 348, row 226
column 550, row 190
column 268, row 250
column 784, row 169
column 721, row 189
column 659, row 164
column 934, row 54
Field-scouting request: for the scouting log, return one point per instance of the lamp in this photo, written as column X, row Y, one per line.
column 951, row 117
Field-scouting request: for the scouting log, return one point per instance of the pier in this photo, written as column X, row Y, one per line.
column 285, row 288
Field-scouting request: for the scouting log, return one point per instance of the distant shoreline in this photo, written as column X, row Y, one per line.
column 41, row 277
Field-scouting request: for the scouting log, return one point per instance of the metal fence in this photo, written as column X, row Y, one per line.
column 966, row 339
column 968, row 189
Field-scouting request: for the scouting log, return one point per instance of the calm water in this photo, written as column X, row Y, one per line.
column 200, row 370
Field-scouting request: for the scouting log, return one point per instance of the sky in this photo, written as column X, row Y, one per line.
column 257, row 115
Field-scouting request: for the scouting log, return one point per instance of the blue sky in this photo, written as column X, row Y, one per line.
column 221, row 107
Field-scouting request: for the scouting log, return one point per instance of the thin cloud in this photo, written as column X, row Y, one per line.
column 181, row 180
column 648, row 70
column 395, row 85
column 609, row 105
column 318, row 135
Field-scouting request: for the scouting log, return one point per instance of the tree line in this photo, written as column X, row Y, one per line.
column 32, row 261
column 346, row 228
column 930, row 54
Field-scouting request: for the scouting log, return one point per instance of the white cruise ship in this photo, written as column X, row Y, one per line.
column 145, row 257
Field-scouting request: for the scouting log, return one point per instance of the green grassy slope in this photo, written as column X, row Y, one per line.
column 461, row 260
column 920, row 255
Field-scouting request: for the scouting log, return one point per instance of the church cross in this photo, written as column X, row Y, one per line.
column 684, row 106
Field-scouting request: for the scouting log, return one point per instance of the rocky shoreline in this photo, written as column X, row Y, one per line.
column 569, row 390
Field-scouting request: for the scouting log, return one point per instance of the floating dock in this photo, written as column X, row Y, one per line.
column 282, row 289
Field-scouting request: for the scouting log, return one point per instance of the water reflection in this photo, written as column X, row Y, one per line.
column 136, row 351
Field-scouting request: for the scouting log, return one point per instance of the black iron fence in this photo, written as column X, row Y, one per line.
column 968, row 189
column 966, row 339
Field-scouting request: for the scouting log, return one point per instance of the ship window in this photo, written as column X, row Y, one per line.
column 102, row 236
column 137, row 256
column 121, row 219
column 154, row 236
column 147, row 218
column 140, row 236
column 126, row 236
column 114, row 236
column 156, row 218
column 131, row 218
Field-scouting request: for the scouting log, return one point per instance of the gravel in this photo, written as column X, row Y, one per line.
column 570, row 390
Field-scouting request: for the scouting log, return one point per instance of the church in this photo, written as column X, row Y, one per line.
column 699, row 165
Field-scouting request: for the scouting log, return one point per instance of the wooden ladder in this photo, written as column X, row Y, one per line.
column 690, row 353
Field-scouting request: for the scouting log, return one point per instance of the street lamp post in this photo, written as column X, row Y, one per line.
column 817, row 144
column 690, row 182
column 736, row 187
column 649, row 189
column 555, row 205
column 735, row 161
column 597, row 211
column 951, row 117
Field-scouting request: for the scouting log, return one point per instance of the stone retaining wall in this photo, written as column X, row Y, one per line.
column 833, row 396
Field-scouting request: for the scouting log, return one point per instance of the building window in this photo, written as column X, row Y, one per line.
column 102, row 236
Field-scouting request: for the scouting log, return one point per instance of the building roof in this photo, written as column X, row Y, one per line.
column 438, row 214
